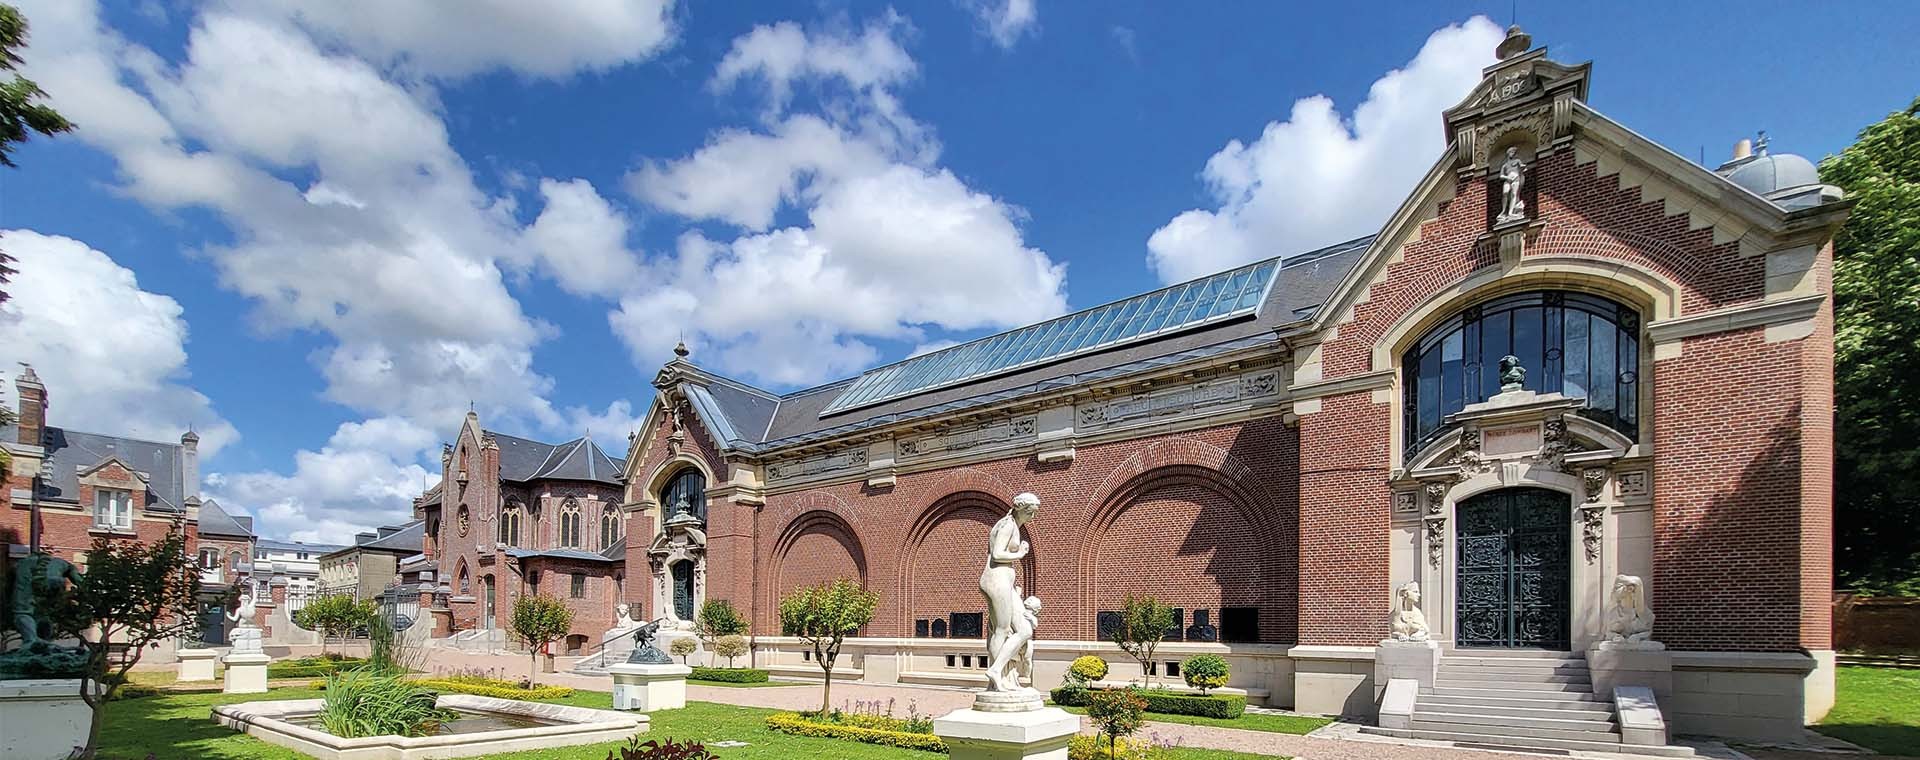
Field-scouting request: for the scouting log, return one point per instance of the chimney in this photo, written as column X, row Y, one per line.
column 33, row 407
column 1742, row 149
column 190, row 465
column 361, row 538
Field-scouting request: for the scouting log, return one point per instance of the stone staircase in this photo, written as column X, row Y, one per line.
column 1520, row 699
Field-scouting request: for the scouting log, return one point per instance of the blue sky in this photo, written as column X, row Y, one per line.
column 317, row 231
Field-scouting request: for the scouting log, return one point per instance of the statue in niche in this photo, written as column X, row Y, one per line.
column 1513, row 177
column 1512, row 375
column 1006, row 611
column 1629, row 621
column 1409, row 623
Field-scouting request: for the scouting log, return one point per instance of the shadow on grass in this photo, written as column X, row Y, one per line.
column 1876, row 708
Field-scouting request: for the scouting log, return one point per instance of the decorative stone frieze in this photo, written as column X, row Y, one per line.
column 961, row 438
column 1436, row 541
column 1436, row 495
column 787, row 469
column 1182, row 399
column 1594, row 479
column 1592, row 529
column 1405, row 503
column 1633, row 483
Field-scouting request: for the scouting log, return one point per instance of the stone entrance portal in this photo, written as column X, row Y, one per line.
column 1512, row 571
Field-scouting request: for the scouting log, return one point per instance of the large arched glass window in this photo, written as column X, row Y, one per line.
column 609, row 527
column 1576, row 344
column 570, row 524
column 687, row 492
column 510, row 525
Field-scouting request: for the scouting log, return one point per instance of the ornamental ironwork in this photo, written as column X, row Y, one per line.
column 1512, row 572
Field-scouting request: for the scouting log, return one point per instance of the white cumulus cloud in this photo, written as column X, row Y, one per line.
column 1320, row 176
column 1004, row 21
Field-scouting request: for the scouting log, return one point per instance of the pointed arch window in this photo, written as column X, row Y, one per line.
column 609, row 526
column 466, row 579
column 510, row 523
column 1575, row 344
column 687, row 492
column 570, row 524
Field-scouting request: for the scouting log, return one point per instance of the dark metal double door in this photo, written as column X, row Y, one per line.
column 1512, row 573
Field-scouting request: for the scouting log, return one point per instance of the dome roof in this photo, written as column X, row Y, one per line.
column 1764, row 174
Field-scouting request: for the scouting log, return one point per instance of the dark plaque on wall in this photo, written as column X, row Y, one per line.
column 939, row 630
column 1202, row 628
column 1240, row 624
column 1177, row 632
column 920, row 628
column 966, row 625
column 1107, row 623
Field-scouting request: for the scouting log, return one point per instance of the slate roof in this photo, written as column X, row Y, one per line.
column 406, row 540
column 71, row 451
column 756, row 420
column 578, row 554
column 214, row 521
column 276, row 545
column 523, row 459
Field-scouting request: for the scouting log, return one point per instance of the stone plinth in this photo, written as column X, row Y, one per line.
column 42, row 719
column 247, row 672
column 1022, row 700
column 1417, row 661
column 649, row 687
column 973, row 734
column 196, row 664
column 1620, row 663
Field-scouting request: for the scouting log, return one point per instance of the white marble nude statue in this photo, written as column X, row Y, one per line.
column 1006, row 612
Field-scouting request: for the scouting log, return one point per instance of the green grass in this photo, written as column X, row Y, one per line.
column 1877, row 708
column 1276, row 724
column 738, row 685
column 179, row 726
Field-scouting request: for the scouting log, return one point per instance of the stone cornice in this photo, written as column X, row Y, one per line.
column 1365, row 381
column 1739, row 317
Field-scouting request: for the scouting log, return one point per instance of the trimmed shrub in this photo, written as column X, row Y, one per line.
column 795, row 724
column 1205, row 672
column 1223, row 706
column 494, row 688
column 730, row 646
column 1087, row 669
column 309, row 667
column 1090, row 747
column 728, row 675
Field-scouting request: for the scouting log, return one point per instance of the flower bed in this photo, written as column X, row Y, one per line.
column 728, row 675
column 494, row 687
column 864, row 728
column 1224, row 706
column 309, row 667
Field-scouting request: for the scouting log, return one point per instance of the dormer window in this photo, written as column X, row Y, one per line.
column 112, row 509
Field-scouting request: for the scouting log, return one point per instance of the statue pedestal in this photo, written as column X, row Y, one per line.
column 247, row 672
column 197, row 664
column 43, row 718
column 1411, row 660
column 649, row 687
column 983, row 734
column 1631, row 663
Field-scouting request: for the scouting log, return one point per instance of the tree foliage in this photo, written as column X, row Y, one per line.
column 539, row 620
column 683, row 648
column 1205, row 672
column 718, row 617
column 1116, row 714
column 137, row 595
column 21, row 111
column 1143, row 625
column 730, row 646
column 334, row 616
column 1877, row 357
column 823, row 616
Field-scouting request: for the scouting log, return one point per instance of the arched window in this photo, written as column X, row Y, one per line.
column 510, row 525
column 609, row 526
column 466, row 580
column 570, row 524
column 687, row 492
column 1576, row 344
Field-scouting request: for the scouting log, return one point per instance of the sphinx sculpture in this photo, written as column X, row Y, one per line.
column 1629, row 621
column 1409, row 623
column 1010, row 619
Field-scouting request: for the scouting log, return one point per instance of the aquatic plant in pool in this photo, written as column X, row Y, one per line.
column 363, row 703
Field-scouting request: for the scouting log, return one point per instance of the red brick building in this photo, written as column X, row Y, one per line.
column 513, row 516
column 1276, row 449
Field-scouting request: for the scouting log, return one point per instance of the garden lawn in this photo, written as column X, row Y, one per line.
column 1877, row 708
column 179, row 727
column 738, row 685
column 1274, row 724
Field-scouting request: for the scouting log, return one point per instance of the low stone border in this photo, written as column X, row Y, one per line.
column 268, row 722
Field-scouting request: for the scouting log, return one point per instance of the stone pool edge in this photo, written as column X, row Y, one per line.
column 265, row 721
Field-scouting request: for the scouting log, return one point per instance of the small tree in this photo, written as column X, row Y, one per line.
column 335, row 615
column 1143, row 624
column 1205, row 672
column 730, row 646
column 136, row 596
column 1116, row 713
column 717, row 618
column 539, row 620
column 682, row 648
column 823, row 616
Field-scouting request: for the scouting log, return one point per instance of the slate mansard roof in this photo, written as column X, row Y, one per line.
column 69, row 452
column 749, row 418
column 403, row 540
column 523, row 459
column 214, row 521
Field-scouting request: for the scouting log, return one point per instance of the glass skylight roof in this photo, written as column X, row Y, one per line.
column 1180, row 307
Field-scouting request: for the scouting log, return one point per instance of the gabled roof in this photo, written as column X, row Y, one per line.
column 69, row 452
column 748, row 418
column 524, row 459
column 214, row 521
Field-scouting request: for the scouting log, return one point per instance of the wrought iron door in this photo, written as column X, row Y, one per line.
column 683, row 589
column 1512, row 573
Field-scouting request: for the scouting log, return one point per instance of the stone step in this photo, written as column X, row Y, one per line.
column 1588, row 722
column 1542, row 691
column 1514, row 678
column 1517, row 733
column 1474, row 661
column 1538, row 743
column 1450, row 670
column 1518, row 706
column 1517, row 654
